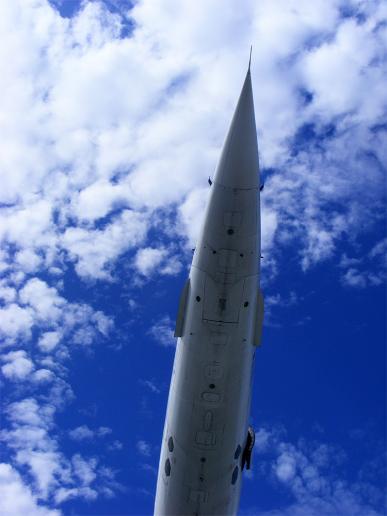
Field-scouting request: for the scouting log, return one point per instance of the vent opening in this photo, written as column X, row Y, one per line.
column 167, row 468
column 234, row 477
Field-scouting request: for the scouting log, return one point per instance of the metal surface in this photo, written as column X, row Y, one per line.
column 218, row 325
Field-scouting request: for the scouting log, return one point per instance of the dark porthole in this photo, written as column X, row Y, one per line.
column 214, row 252
column 203, row 459
column 237, row 452
column 170, row 444
column 212, row 386
column 246, row 304
column 230, row 231
column 167, row 467
column 234, row 477
column 198, row 298
column 241, row 255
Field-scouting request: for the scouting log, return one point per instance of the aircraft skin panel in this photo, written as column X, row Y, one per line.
column 208, row 408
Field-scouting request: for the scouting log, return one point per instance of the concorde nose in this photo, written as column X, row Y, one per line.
column 238, row 166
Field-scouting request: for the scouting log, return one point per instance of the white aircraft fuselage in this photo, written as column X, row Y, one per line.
column 205, row 442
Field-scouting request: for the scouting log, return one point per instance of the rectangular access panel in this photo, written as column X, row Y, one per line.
column 222, row 302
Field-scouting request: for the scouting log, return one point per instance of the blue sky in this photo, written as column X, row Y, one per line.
column 112, row 118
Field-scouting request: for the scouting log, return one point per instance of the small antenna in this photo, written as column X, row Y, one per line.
column 251, row 49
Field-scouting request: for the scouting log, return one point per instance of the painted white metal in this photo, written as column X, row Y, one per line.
column 209, row 398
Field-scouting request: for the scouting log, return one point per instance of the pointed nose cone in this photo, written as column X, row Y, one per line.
column 238, row 164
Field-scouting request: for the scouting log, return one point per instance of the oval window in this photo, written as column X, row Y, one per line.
column 170, row 444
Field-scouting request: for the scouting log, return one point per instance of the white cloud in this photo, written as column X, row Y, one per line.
column 95, row 250
column 84, row 469
column 379, row 250
column 42, row 305
column 98, row 199
column 16, row 497
column 49, row 340
column 36, row 448
column 143, row 448
column 152, row 148
column 44, row 300
column 115, row 445
column 353, row 278
column 162, row 332
column 261, row 440
column 86, row 493
column 7, row 294
column 361, row 279
column 29, row 412
column 102, row 431
column 150, row 260
column 269, row 227
column 44, row 466
column 15, row 322
column 311, row 474
column 192, row 212
column 83, row 432
column 274, row 302
column 341, row 70
column 285, row 469
column 28, row 260
column 30, row 437
column 172, row 266
column 18, row 366
column 368, row 271
column 28, row 224
column 51, row 471
column 43, row 375
column 104, row 323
